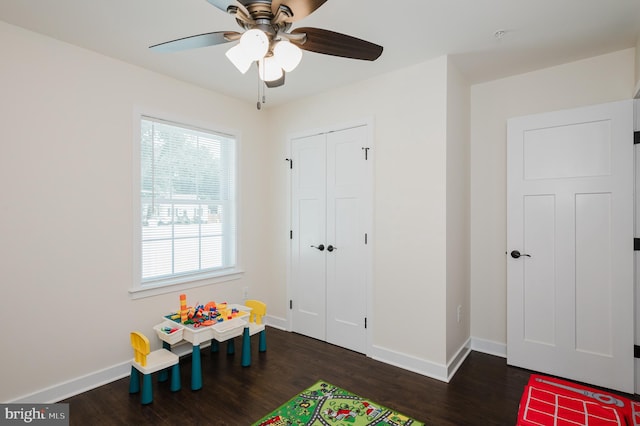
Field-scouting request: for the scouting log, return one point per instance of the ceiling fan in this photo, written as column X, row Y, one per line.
column 266, row 38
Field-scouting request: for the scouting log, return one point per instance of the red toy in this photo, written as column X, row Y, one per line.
column 551, row 401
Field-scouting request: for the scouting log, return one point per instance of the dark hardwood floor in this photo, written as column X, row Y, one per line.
column 485, row 391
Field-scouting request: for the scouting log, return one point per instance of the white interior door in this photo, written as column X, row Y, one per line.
column 570, row 215
column 331, row 211
column 348, row 212
column 308, row 271
column 636, row 109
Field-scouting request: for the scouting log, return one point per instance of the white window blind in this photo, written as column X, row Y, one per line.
column 187, row 196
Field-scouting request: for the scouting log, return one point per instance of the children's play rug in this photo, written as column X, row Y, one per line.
column 551, row 401
column 326, row 404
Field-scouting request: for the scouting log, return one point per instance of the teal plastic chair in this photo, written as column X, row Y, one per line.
column 146, row 363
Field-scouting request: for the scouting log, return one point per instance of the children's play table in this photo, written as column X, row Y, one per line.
column 196, row 334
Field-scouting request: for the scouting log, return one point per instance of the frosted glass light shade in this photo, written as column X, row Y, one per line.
column 255, row 44
column 239, row 58
column 269, row 69
column 287, row 54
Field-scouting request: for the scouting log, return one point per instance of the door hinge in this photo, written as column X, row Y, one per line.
column 636, row 137
column 291, row 235
column 290, row 162
column 290, row 304
column 365, row 322
column 366, row 152
column 636, row 351
column 636, row 244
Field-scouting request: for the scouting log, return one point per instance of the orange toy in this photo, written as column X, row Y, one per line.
column 183, row 308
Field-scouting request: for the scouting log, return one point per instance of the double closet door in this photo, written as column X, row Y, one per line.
column 331, row 197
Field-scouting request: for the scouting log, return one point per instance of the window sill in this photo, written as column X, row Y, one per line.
column 185, row 283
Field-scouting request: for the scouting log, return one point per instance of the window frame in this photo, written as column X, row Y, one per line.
column 176, row 283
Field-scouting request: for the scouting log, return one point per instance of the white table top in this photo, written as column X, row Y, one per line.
column 221, row 331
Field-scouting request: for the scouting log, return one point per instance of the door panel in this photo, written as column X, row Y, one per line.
column 540, row 271
column 593, row 274
column 346, row 225
column 570, row 207
column 309, row 218
column 550, row 152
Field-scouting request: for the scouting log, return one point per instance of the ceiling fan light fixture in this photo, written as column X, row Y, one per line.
column 266, row 38
column 255, row 44
column 269, row 69
column 239, row 58
column 287, row 54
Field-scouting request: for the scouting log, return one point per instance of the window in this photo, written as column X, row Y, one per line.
column 187, row 203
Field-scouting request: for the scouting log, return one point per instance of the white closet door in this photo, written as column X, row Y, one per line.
column 348, row 209
column 332, row 217
column 309, row 232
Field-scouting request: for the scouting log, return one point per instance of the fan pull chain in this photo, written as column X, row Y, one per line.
column 262, row 96
column 259, row 104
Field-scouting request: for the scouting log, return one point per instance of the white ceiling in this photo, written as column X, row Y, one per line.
column 538, row 34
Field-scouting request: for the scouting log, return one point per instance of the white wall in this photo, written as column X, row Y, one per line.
column 596, row 80
column 409, row 199
column 66, row 220
column 458, row 196
column 409, row 110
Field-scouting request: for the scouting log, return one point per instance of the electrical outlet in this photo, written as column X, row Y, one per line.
column 459, row 312
column 245, row 293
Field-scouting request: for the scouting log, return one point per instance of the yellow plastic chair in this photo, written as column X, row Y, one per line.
column 146, row 362
column 255, row 326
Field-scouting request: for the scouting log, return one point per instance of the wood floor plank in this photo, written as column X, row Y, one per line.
column 484, row 391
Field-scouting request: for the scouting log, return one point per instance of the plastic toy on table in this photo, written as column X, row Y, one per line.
column 206, row 315
column 215, row 322
column 169, row 332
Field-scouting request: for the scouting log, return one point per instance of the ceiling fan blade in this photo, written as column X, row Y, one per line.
column 236, row 8
column 276, row 83
column 193, row 42
column 223, row 5
column 299, row 8
column 336, row 44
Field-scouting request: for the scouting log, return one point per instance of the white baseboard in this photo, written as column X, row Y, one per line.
column 61, row 391
column 489, row 347
column 441, row 372
column 436, row 371
column 458, row 359
column 409, row 362
column 57, row 393
column 277, row 322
